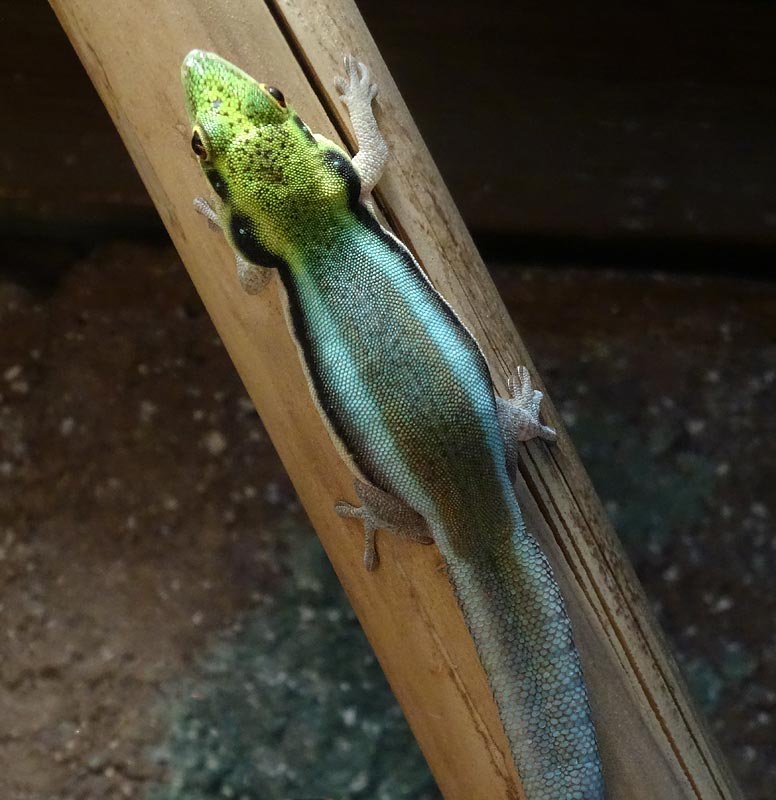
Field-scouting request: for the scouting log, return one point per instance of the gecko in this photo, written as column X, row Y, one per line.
column 404, row 391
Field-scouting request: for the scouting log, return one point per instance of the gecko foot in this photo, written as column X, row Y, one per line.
column 382, row 511
column 519, row 417
column 252, row 278
column 201, row 206
column 356, row 89
column 524, row 407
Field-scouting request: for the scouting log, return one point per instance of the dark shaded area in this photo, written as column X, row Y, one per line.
column 683, row 256
column 643, row 122
column 646, row 121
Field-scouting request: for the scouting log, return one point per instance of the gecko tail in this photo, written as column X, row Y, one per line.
column 515, row 612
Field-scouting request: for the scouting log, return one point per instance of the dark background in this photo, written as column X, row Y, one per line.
column 573, row 124
column 169, row 618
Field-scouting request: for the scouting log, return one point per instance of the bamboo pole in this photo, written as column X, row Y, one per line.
column 653, row 743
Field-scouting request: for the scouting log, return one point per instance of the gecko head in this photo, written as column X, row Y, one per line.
column 225, row 105
column 259, row 157
column 238, row 125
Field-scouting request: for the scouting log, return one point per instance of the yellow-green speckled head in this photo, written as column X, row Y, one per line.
column 278, row 184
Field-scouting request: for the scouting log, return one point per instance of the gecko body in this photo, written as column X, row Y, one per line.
column 405, row 392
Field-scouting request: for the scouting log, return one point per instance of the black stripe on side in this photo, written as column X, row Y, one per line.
column 341, row 165
column 253, row 250
column 218, row 183
column 299, row 332
column 249, row 245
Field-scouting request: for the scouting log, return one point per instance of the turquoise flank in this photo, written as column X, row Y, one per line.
column 379, row 343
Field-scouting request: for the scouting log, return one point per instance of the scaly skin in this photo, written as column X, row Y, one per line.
column 407, row 396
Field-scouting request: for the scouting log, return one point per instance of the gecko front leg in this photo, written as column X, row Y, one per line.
column 252, row 277
column 357, row 93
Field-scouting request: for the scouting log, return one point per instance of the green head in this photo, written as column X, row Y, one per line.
column 278, row 184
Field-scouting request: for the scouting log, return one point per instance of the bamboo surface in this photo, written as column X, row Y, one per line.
column 653, row 744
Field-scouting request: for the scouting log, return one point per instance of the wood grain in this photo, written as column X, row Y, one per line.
column 652, row 741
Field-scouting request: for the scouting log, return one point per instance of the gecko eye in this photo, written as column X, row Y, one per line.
column 197, row 146
column 277, row 94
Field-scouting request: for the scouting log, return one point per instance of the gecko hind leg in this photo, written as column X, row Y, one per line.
column 252, row 277
column 382, row 511
column 519, row 417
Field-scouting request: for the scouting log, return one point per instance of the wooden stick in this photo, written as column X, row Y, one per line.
column 653, row 744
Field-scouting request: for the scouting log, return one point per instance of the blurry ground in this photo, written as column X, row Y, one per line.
column 170, row 627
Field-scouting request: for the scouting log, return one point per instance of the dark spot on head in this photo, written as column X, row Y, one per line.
column 343, row 167
column 247, row 242
column 218, row 184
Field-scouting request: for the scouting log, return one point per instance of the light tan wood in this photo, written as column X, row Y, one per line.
column 652, row 742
